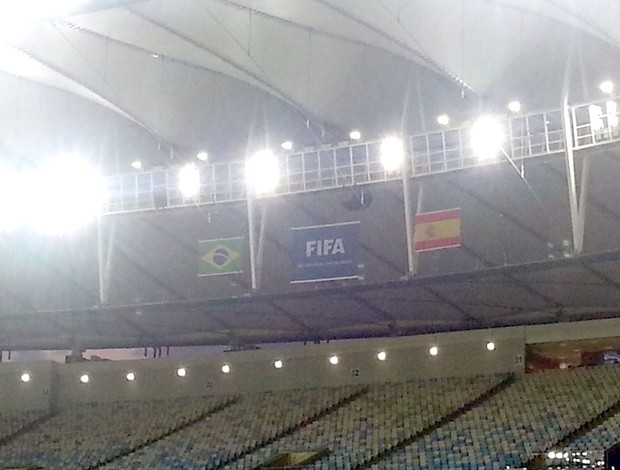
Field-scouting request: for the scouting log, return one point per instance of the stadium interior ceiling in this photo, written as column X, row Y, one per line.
column 159, row 81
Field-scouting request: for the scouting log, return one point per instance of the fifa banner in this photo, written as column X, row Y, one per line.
column 325, row 252
column 437, row 230
column 222, row 256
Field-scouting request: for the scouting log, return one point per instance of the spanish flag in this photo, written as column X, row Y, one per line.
column 437, row 230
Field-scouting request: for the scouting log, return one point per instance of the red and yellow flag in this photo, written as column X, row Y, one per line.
column 436, row 230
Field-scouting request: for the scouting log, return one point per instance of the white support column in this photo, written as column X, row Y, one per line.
column 251, row 241
column 261, row 246
column 411, row 264
column 571, row 178
column 101, row 264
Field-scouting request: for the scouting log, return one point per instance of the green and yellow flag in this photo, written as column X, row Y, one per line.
column 222, row 256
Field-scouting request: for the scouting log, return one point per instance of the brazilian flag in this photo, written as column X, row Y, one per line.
column 222, row 256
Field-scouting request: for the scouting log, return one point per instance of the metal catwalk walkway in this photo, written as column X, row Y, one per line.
column 527, row 136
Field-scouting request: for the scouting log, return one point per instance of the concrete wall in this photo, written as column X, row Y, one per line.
column 34, row 395
column 462, row 353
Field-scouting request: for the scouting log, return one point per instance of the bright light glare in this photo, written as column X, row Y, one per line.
column 490, row 346
column 226, row 369
column 596, row 117
column 130, row 376
column 355, row 135
column 181, row 371
column 612, row 113
column 25, row 377
column 607, row 87
column 84, row 378
column 287, row 145
column 551, row 454
column 514, row 106
column 382, row 356
column 262, row 172
column 202, row 156
column 392, row 153
column 59, row 197
column 66, row 195
column 278, row 364
column 443, row 119
column 433, row 350
column 487, row 138
column 17, row 14
column 333, row 360
column 189, row 181
column 136, row 164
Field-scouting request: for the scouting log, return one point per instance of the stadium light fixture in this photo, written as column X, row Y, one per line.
column 392, row 153
column 262, row 172
column 551, row 454
column 612, row 113
column 225, row 369
column 607, row 87
column 26, row 377
column 433, row 350
column 17, row 14
column 202, row 156
column 278, row 364
column 287, row 145
column 136, row 165
column 490, row 346
column 182, row 372
column 334, row 360
column 65, row 194
column 355, row 135
column 514, row 106
column 189, row 181
column 15, row 199
column 131, row 376
column 382, row 356
column 84, row 378
column 487, row 138
column 443, row 119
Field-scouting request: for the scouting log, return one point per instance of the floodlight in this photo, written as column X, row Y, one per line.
column 131, row 376
column 18, row 13
column 443, row 119
column 551, row 454
column 490, row 346
column 189, row 181
column 136, row 164
column 433, row 350
column 25, row 377
column 514, row 106
column 355, row 135
column 181, row 372
column 392, row 153
column 65, row 195
column 287, row 145
column 202, row 156
column 612, row 113
column 382, row 356
column 278, row 364
column 84, row 378
column 334, row 360
column 607, row 87
column 15, row 200
column 595, row 114
column 226, row 369
column 487, row 137
column 262, row 172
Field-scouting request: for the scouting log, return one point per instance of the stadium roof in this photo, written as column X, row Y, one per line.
column 160, row 80
column 227, row 76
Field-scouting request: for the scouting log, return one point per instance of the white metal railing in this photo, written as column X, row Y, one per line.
column 526, row 136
